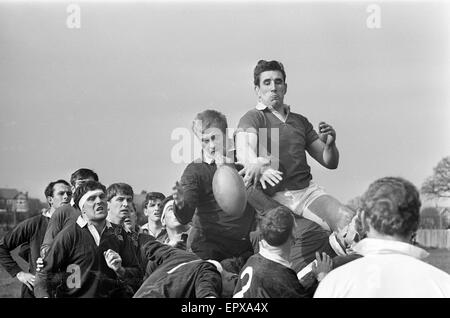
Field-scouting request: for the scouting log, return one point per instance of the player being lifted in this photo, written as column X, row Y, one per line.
column 293, row 135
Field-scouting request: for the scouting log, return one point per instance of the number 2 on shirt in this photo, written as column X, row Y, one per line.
column 248, row 271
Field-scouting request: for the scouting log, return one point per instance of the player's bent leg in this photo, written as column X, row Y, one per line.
column 331, row 211
column 259, row 200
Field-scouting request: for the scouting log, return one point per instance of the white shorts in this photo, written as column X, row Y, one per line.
column 299, row 200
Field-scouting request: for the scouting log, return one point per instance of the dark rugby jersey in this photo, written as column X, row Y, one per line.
column 264, row 278
column 214, row 234
column 294, row 137
column 62, row 216
column 29, row 235
column 178, row 274
column 75, row 245
column 29, row 231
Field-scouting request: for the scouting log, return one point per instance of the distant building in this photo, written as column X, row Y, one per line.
column 11, row 200
column 20, row 203
column 8, row 199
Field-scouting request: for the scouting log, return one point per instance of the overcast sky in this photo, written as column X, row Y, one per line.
column 107, row 96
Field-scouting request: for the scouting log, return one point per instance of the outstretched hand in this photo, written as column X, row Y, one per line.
column 251, row 173
column 271, row 176
column 261, row 172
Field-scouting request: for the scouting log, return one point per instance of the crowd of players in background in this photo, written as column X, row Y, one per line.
column 292, row 240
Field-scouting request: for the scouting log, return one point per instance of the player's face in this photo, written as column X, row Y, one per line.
column 271, row 89
column 213, row 142
column 130, row 222
column 95, row 207
column 62, row 195
column 120, row 206
column 170, row 221
column 153, row 210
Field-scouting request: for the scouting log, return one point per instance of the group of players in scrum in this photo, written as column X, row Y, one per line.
column 292, row 240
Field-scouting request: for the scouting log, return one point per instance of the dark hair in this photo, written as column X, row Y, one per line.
column 151, row 196
column 392, row 205
column 210, row 119
column 234, row 264
column 84, row 188
column 118, row 188
column 276, row 225
column 83, row 173
column 49, row 189
column 263, row 66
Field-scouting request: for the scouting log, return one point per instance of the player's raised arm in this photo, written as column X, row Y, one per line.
column 324, row 149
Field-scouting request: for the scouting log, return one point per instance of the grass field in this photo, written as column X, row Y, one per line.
column 10, row 287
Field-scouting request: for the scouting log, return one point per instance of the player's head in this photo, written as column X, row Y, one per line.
column 58, row 193
column 210, row 127
column 277, row 225
column 120, row 200
column 82, row 175
column 168, row 218
column 153, row 206
column 90, row 199
column 391, row 207
column 269, row 78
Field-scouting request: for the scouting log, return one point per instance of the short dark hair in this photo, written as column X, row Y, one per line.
column 84, row 188
column 264, row 66
column 49, row 189
column 276, row 225
column 392, row 206
column 83, row 173
column 151, row 196
column 210, row 119
column 118, row 188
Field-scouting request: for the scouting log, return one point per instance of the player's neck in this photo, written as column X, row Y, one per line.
column 114, row 220
column 154, row 226
column 283, row 251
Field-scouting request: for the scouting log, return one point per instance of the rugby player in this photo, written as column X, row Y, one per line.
column 31, row 232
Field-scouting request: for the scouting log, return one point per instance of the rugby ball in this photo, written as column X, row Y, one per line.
column 229, row 190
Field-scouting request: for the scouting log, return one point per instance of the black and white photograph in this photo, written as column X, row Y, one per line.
column 233, row 150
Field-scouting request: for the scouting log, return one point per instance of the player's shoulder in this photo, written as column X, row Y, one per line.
column 35, row 219
column 70, row 230
column 29, row 224
column 194, row 167
column 299, row 117
column 426, row 270
column 64, row 210
column 252, row 114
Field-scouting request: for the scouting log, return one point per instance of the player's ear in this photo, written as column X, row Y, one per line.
column 50, row 200
column 257, row 90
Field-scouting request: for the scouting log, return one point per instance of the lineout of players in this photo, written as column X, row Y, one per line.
column 246, row 222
